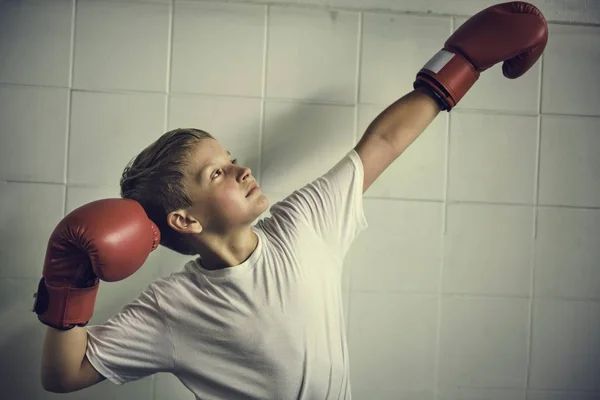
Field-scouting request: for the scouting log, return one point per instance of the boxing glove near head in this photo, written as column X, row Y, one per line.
column 107, row 239
column 514, row 32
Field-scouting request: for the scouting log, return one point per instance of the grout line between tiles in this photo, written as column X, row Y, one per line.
column 263, row 95
column 438, row 337
column 512, row 113
column 532, row 275
column 461, row 110
column 356, row 139
column 167, row 109
column 169, row 65
column 69, row 106
column 320, row 5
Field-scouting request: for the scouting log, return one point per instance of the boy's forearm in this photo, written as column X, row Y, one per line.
column 405, row 119
column 62, row 356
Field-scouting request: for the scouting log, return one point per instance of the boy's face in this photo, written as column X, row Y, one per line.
column 219, row 190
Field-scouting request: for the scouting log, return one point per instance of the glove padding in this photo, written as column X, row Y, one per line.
column 514, row 32
column 107, row 239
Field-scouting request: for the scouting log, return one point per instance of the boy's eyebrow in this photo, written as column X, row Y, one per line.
column 204, row 167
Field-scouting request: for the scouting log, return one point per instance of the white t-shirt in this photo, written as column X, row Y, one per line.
column 270, row 328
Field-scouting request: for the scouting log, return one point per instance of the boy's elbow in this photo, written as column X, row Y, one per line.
column 53, row 388
column 53, row 385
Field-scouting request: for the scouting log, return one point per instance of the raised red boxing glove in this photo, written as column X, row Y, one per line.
column 106, row 239
column 514, row 32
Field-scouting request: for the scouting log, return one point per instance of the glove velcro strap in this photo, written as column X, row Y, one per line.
column 63, row 307
column 449, row 75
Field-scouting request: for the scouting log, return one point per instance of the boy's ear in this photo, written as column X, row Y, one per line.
column 183, row 222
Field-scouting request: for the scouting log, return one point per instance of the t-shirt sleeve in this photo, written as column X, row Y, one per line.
column 332, row 205
column 134, row 343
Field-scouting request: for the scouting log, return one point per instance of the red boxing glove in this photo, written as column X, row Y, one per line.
column 108, row 239
column 514, row 32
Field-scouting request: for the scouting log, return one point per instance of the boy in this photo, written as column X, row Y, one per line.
column 258, row 314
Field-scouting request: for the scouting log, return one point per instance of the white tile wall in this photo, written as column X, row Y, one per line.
column 392, row 346
column 167, row 386
column 21, row 340
column 36, row 45
column 28, row 214
column 492, row 157
column 33, row 122
column 312, row 54
column 218, row 48
column 108, row 130
column 478, row 278
column 227, row 118
column 408, row 247
column 570, row 82
column 394, row 49
column 488, row 249
column 483, row 342
column 569, row 163
column 302, row 141
column 567, row 253
column 564, row 347
column 121, row 45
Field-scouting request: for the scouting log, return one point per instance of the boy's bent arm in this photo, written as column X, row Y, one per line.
column 65, row 368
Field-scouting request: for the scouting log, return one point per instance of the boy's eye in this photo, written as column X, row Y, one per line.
column 234, row 161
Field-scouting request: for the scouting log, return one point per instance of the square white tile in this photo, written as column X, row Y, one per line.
column 108, row 130
column 483, row 343
column 312, row 54
column 570, row 80
column 420, row 172
column 33, row 133
column 569, row 162
column 488, row 249
column 394, row 48
column 392, row 345
column 301, row 142
column 36, row 42
column 567, row 253
column 29, row 212
column 492, row 157
column 401, row 250
column 565, row 354
column 231, row 65
column 121, row 45
column 494, row 92
column 233, row 121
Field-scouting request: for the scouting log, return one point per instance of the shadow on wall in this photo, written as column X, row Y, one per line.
column 21, row 339
column 22, row 335
column 292, row 142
